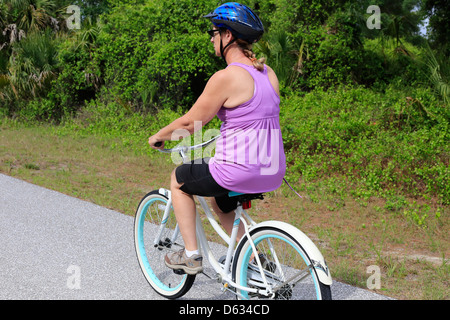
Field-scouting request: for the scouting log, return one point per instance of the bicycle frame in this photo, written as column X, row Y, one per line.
column 223, row 273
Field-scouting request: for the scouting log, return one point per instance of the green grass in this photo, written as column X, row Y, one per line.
column 85, row 167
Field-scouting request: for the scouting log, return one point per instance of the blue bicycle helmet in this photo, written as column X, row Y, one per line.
column 239, row 19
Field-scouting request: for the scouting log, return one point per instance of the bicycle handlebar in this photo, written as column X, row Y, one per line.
column 183, row 149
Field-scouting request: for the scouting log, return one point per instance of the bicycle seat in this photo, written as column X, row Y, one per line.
column 245, row 197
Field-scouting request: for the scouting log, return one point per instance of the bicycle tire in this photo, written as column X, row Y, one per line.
column 273, row 242
column 148, row 220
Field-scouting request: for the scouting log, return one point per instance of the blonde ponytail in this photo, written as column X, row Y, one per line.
column 247, row 49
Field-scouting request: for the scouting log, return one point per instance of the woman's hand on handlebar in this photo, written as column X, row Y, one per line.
column 155, row 143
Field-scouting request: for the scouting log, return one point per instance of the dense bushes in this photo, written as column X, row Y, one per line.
column 156, row 53
column 147, row 54
column 377, row 142
column 141, row 54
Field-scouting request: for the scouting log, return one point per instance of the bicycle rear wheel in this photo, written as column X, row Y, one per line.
column 149, row 223
column 287, row 267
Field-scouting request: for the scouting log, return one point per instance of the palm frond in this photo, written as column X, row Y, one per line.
column 32, row 64
column 438, row 74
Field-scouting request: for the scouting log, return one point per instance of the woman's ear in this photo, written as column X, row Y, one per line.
column 228, row 36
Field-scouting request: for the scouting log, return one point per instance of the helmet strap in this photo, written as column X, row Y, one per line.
column 222, row 48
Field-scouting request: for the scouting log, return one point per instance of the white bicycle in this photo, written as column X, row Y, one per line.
column 273, row 260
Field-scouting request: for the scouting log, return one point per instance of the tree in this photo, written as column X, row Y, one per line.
column 438, row 13
column 28, row 48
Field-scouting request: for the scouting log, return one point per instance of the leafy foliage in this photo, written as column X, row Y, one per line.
column 154, row 58
column 378, row 142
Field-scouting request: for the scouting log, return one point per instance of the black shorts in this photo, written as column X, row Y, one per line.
column 197, row 180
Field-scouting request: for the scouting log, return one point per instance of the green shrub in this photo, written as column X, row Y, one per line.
column 32, row 68
column 346, row 133
column 161, row 56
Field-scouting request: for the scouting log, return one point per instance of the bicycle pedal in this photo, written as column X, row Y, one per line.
column 166, row 244
column 179, row 271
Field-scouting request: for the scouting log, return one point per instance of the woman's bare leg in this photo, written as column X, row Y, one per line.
column 185, row 213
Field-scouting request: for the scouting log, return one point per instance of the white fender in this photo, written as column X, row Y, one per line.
column 164, row 192
column 310, row 248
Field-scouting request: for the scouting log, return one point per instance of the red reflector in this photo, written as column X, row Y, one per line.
column 246, row 205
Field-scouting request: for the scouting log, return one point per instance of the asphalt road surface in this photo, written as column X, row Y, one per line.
column 58, row 247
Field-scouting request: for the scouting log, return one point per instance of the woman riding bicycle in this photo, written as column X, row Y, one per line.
column 249, row 155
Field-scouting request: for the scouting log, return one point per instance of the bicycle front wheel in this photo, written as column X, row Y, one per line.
column 287, row 268
column 155, row 235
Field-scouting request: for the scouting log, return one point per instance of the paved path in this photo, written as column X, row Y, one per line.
column 58, row 247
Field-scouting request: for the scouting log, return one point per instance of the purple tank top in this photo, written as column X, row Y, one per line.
column 249, row 156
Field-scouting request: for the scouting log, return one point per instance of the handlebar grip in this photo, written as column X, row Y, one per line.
column 158, row 144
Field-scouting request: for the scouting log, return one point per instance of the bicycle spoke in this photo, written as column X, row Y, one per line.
column 287, row 270
column 155, row 236
column 302, row 274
